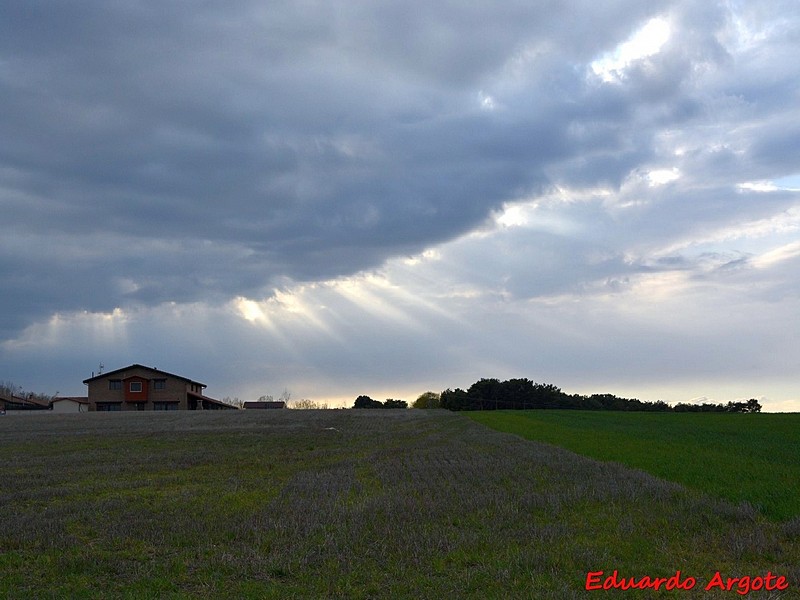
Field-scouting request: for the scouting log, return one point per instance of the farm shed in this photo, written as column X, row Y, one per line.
column 265, row 405
column 72, row 404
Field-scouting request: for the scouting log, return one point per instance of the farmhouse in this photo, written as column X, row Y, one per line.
column 70, row 404
column 268, row 404
column 137, row 387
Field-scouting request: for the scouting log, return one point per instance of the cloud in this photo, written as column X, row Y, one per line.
column 326, row 190
column 317, row 141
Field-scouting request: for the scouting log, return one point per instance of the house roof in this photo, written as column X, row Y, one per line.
column 211, row 400
column 16, row 400
column 138, row 366
column 273, row 404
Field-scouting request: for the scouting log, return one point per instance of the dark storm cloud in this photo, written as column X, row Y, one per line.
column 154, row 152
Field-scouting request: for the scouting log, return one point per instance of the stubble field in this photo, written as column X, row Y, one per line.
column 348, row 504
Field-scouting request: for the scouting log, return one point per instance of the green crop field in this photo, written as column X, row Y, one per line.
column 752, row 458
column 350, row 504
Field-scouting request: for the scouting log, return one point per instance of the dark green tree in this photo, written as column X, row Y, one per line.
column 391, row 403
column 486, row 393
column 753, row 406
column 427, row 400
column 456, row 399
column 367, row 402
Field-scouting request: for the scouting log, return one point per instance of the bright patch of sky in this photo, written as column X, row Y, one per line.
column 789, row 183
column 646, row 41
column 662, row 176
column 487, row 102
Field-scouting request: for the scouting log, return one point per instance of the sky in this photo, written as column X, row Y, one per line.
column 384, row 198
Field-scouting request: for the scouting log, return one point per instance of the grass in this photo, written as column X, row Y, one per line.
column 752, row 458
column 345, row 504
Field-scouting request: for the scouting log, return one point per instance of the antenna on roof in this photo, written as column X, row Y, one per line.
column 102, row 366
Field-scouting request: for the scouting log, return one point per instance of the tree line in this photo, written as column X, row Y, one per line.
column 493, row 394
column 367, row 402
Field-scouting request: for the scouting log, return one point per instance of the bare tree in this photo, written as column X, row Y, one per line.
column 305, row 404
column 233, row 401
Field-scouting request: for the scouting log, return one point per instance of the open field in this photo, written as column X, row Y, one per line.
column 348, row 504
column 752, row 458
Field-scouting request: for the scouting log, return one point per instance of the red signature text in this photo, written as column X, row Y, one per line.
column 598, row 580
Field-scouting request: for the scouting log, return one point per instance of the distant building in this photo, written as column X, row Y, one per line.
column 17, row 403
column 72, row 404
column 265, row 405
column 137, row 387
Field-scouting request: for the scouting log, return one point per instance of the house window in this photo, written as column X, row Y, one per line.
column 139, row 406
column 108, row 406
column 115, row 384
column 136, row 386
column 165, row 406
column 159, row 384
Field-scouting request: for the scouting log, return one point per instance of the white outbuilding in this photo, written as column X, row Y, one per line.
column 75, row 404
